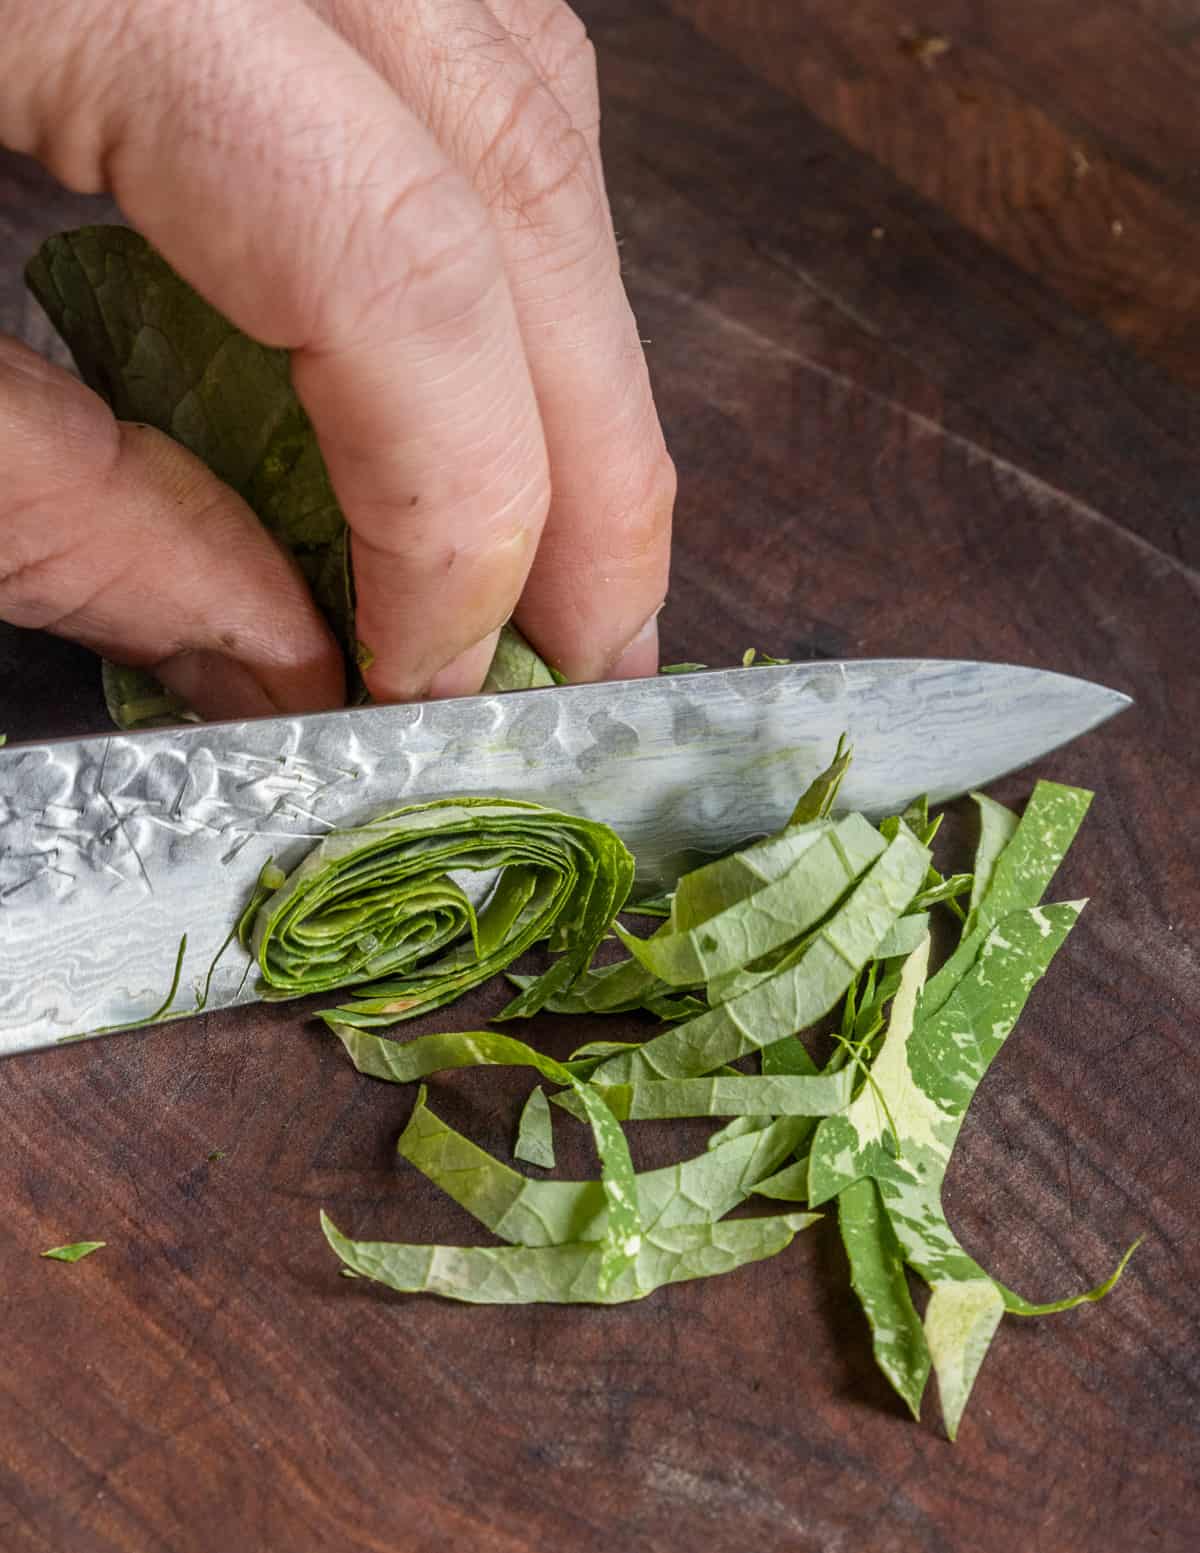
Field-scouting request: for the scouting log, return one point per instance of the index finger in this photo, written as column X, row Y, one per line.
column 291, row 186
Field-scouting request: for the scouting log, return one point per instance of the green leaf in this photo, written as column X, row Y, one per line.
column 740, row 1095
column 818, row 798
column 960, row 1322
column 515, row 665
column 1022, row 871
column 878, row 1278
column 405, row 1062
column 997, row 825
column 787, row 1185
column 682, row 668
column 901, row 1129
column 794, row 998
column 827, row 861
column 74, row 1252
column 535, row 1133
column 530, row 1212
column 158, row 353
column 607, row 989
column 942, row 889
column 375, row 907
column 567, row 1274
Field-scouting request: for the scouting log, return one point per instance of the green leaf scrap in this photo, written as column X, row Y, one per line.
column 535, row 1132
column 75, row 1252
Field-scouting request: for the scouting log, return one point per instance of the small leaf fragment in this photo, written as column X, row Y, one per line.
column 75, row 1252
column 535, row 1132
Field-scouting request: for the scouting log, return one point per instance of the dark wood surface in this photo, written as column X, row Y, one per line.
column 925, row 325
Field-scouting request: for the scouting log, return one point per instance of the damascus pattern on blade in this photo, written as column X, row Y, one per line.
column 112, row 848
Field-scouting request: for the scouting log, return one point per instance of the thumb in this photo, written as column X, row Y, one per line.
column 115, row 536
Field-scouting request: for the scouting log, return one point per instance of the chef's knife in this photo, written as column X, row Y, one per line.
column 113, row 847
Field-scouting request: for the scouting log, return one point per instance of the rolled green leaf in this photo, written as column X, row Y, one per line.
column 375, row 907
column 794, row 998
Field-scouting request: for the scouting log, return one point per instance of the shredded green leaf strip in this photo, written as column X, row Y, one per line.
column 525, row 1211
column 566, row 1274
column 877, row 1275
column 160, row 1015
column 828, row 859
column 997, row 825
column 925, row 1075
column 818, row 798
column 75, row 1252
column 1019, row 878
column 535, row 1132
column 796, row 997
column 739, row 1095
column 623, row 1233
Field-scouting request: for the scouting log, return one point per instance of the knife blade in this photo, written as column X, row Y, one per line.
column 113, row 847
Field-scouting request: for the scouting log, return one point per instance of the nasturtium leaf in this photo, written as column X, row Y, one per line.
column 793, row 998
column 535, row 1133
column 375, row 908
column 74, row 1252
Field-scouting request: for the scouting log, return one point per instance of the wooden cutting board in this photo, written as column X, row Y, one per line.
column 922, row 309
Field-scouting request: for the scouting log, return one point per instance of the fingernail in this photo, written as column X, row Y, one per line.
column 215, row 686
column 466, row 674
column 640, row 657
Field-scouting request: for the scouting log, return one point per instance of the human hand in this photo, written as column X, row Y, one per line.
column 407, row 195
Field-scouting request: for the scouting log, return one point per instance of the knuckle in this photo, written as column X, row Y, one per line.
column 641, row 535
column 427, row 253
column 566, row 58
column 538, row 160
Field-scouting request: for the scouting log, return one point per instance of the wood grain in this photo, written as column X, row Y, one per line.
column 952, row 440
